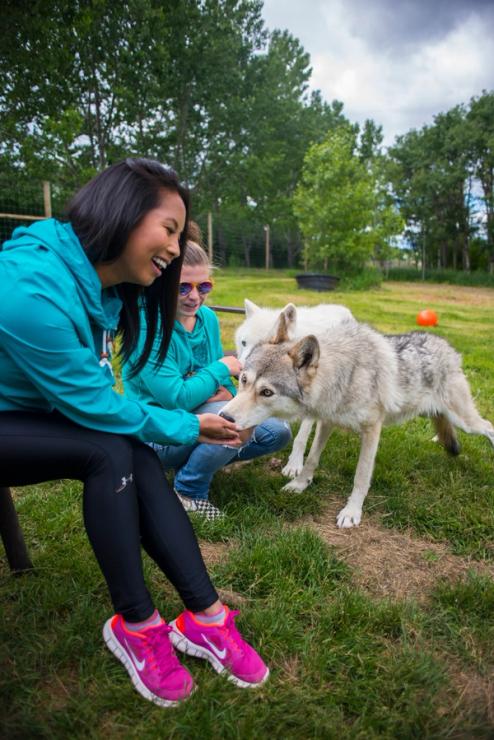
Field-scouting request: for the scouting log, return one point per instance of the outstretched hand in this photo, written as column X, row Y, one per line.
column 214, row 429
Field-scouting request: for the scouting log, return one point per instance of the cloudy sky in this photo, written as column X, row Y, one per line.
column 397, row 61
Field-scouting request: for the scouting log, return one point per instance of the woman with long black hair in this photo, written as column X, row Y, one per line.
column 67, row 288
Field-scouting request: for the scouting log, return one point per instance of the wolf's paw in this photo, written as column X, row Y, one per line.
column 350, row 516
column 293, row 467
column 297, row 485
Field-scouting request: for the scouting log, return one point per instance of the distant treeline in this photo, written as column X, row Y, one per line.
column 476, row 278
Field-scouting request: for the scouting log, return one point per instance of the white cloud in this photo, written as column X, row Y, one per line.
column 381, row 68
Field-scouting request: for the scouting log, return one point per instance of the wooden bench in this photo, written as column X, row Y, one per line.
column 12, row 536
column 10, row 528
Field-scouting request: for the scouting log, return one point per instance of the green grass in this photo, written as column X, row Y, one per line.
column 462, row 618
column 345, row 662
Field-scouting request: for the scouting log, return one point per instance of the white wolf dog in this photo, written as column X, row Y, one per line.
column 356, row 378
column 260, row 325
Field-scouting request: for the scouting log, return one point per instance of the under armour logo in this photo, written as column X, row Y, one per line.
column 124, row 482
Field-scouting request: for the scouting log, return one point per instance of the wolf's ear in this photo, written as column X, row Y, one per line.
column 290, row 314
column 280, row 332
column 250, row 308
column 305, row 353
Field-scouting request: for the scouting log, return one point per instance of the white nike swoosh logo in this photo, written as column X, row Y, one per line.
column 138, row 663
column 219, row 653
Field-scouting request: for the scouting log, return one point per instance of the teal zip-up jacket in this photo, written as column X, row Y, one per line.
column 53, row 315
column 182, row 381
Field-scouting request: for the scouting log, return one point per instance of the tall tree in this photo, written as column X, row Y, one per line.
column 336, row 203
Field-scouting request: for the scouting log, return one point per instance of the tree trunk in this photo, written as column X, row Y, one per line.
column 490, row 236
column 465, row 254
column 289, row 249
column 444, row 255
column 222, row 247
column 246, row 245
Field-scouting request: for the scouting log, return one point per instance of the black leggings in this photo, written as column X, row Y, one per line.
column 127, row 503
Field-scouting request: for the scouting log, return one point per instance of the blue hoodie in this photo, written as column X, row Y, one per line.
column 53, row 316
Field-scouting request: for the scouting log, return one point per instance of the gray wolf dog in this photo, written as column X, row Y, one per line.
column 356, row 378
column 260, row 324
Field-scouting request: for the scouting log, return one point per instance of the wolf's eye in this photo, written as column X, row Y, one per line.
column 243, row 378
column 243, row 343
column 266, row 392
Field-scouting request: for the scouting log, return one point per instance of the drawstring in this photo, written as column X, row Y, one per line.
column 106, row 349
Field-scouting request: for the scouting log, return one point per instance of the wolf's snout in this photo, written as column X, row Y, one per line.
column 226, row 416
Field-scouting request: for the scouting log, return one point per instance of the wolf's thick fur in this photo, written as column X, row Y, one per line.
column 356, row 378
column 261, row 324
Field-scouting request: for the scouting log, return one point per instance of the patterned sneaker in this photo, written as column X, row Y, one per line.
column 223, row 646
column 150, row 660
column 200, row 506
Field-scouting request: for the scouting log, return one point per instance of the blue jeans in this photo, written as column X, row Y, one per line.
column 196, row 464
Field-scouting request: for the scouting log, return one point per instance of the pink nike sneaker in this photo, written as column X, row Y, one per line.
column 223, row 646
column 150, row 660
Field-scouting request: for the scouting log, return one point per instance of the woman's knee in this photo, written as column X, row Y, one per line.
column 127, row 460
column 113, row 455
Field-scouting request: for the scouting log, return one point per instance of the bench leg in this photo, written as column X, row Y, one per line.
column 11, row 533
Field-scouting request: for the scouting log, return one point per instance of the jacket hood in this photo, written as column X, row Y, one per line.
column 102, row 305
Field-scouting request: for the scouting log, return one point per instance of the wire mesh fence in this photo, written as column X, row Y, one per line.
column 22, row 201
column 242, row 242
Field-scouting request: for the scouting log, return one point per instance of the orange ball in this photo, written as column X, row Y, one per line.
column 427, row 317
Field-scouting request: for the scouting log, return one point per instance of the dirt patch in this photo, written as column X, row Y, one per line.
column 385, row 563
column 214, row 552
column 438, row 293
column 475, row 694
column 394, row 564
column 232, row 598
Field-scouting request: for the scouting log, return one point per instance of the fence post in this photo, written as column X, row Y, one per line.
column 210, row 236
column 47, row 198
column 267, row 246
